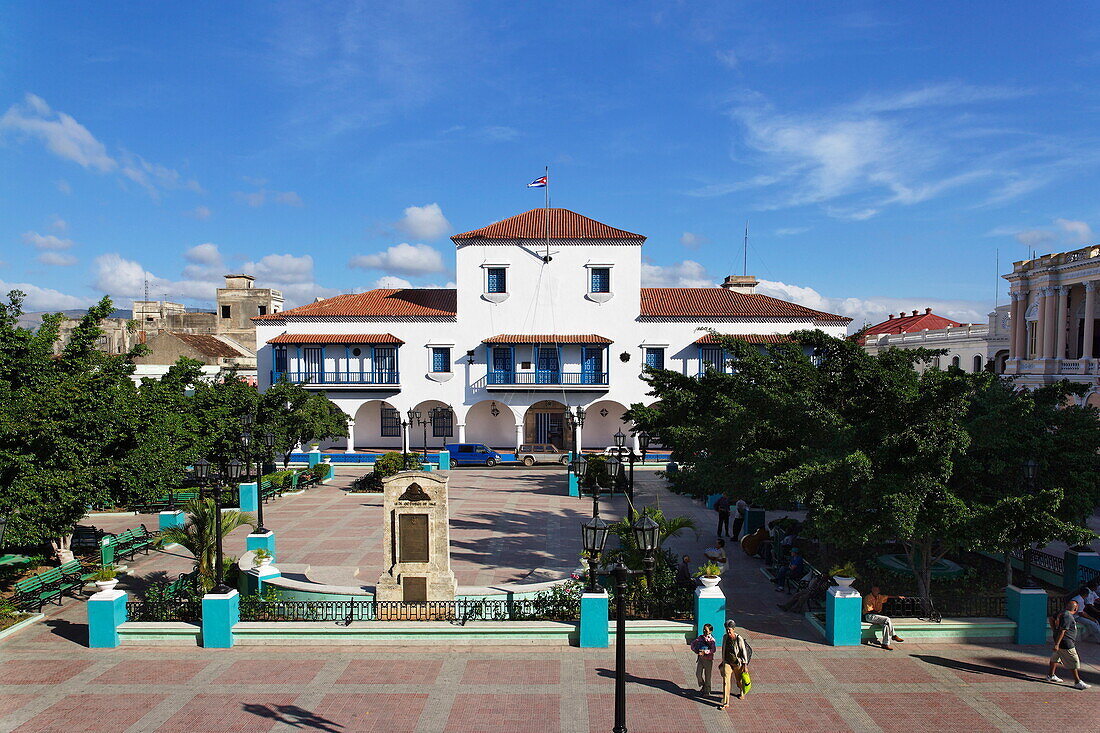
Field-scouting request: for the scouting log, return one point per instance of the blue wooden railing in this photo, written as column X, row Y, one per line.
column 337, row 376
column 546, row 377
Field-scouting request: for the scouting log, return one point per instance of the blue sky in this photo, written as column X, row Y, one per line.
column 882, row 155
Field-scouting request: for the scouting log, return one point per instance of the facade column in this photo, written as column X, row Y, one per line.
column 351, row 437
column 1047, row 313
column 405, row 446
column 1060, row 294
column 519, row 436
column 1016, row 344
column 580, row 440
column 461, row 433
column 1090, row 305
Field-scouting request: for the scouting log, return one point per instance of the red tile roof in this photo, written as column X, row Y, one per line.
column 209, row 345
column 564, row 224
column 336, row 338
column 914, row 322
column 507, row 338
column 752, row 338
column 724, row 302
column 383, row 302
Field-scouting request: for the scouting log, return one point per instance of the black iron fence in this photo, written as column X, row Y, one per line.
column 348, row 611
column 166, row 609
column 673, row 606
column 1087, row 575
column 970, row 605
column 1055, row 564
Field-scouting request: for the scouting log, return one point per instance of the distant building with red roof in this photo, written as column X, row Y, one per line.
column 971, row 347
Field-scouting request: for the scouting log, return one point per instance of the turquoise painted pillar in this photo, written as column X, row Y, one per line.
column 594, row 620
column 710, row 608
column 574, row 482
column 754, row 520
column 1075, row 561
column 253, row 580
column 174, row 518
column 249, row 497
column 261, row 540
column 330, row 472
column 444, row 460
column 106, row 612
column 1028, row 608
column 220, row 613
column 712, row 499
column 314, row 457
column 426, row 467
column 843, row 621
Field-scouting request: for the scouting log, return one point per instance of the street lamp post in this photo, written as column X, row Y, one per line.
column 416, row 417
column 203, row 474
column 646, row 537
column 437, row 413
column 1031, row 475
column 620, row 442
column 269, row 444
column 405, row 440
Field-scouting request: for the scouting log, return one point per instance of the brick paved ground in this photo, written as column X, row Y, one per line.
column 50, row 681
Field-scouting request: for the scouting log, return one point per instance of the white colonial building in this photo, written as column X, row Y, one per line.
column 1054, row 312
column 548, row 314
column 972, row 347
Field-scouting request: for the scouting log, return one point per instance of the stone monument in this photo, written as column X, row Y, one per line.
column 416, row 539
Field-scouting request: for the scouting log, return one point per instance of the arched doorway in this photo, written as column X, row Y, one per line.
column 433, row 429
column 377, row 425
column 604, row 419
column 544, row 422
column 492, row 423
column 1093, row 400
column 999, row 361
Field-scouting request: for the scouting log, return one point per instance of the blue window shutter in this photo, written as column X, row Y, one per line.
column 497, row 280
column 655, row 358
column 441, row 359
column 601, row 280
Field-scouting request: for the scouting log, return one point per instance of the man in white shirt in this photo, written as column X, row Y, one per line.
column 1082, row 618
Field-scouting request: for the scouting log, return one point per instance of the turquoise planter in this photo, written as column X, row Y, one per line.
column 249, row 497
column 843, row 622
column 593, row 630
column 1028, row 608
column 172, row 519
column 106, row 612
column 710, row 608
column 261, row 541
column 220, row 613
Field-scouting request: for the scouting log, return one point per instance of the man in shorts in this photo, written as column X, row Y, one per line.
column 1065, row 643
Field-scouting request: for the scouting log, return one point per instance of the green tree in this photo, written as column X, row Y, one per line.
column 296, row 416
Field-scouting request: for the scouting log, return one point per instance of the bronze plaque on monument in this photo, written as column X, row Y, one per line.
column 413, row 534
column 414, row 590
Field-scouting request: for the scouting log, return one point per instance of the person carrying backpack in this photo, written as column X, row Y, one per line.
column 736, row 655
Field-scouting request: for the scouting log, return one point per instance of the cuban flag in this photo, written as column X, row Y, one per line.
column 538, row 183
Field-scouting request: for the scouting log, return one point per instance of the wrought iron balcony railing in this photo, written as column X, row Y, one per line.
column 337, row 376
column 546, row 378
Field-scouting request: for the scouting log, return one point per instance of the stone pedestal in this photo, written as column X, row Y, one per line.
column 106, row 612
column 416, row 539
column 574, row 482
column 594, row 618
column 171, row 518
column 220, row 613
column 710, row 608
column 261, row 541
column 843, row 611
column 1028, row 608
column 314, row 457
column 444, row 460
column 253, row 580
column 249, row 497
column 1075, row 561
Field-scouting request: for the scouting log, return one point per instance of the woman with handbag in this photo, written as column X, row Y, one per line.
column 736, row 655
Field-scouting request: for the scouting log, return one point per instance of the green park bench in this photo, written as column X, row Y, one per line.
column 270, row 490
column 127, row 544
column 49, row 586
column 182, row 584
column 176, row 497
column 74, row 570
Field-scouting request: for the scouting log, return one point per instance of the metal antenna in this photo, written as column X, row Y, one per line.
column 745, row 254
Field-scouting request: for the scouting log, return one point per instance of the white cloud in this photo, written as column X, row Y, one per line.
column 284, row 269
column 854, row 160
column 686, row 274
column 1077, row 232
column 46, row 241
column 791, row 231
column 153, row 177
column 389, row 281
column 202, row 213
column 57, row 258
column 63, row 186
column 1034, row 237
column 402, row 259
column 692, row 240
column 63, row 136
column 45, row 299
column 424, row 222
column 204, row 254
column 728, row 58
column 58, row 224
column 499, row 133
column 205, row 263
column 256, row 199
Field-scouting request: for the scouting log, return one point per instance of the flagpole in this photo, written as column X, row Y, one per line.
column 546, row 188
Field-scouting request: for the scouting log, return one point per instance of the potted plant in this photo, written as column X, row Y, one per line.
column 261, row 557
column 105, row 579
column 845, row 574
column 709, row 574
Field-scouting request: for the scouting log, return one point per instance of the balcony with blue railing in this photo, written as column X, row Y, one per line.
column 340, row 378
column 544, row 380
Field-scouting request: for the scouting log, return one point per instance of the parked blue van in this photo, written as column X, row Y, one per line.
column 473, row 453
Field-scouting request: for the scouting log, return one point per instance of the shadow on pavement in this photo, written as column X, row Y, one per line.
column 292, row 715
column 961, row 666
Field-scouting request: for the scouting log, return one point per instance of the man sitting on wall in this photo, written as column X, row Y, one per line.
column 872, row 614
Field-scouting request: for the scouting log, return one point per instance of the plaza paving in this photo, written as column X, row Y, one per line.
column 50, row 681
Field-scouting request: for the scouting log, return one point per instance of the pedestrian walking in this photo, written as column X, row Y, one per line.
column 722, row 506
column 704, row 647
column 736, row 655
column 1065, row 646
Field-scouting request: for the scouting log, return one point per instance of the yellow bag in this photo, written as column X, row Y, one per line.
column 746, row 682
